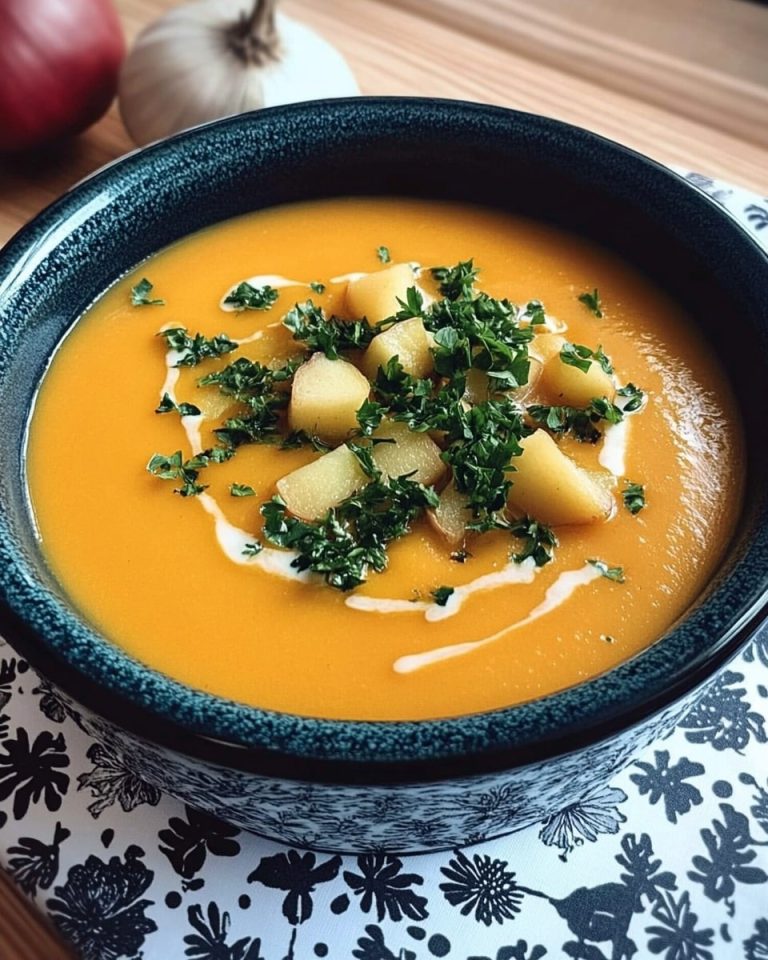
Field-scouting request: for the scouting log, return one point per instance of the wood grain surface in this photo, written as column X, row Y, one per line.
column 684, row 81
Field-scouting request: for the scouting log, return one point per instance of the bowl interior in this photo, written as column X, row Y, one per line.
column 65, row 259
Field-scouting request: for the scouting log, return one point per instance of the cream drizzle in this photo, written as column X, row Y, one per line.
column 512, row 573
column 556, row 595
column 613, row 450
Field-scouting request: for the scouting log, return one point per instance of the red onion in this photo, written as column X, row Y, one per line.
column 59, row 62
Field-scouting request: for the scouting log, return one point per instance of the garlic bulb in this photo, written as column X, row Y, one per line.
column 215, row 58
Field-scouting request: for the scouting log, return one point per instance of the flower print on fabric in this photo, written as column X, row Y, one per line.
column 209, row 942
column 756, row 946
column 677, row 937
column 483, row 887
column 730, row 847
column 299, row 874
column 53, row 704
column 110, row 781
column 723, row 718
column 99, row 909
column 584, row 820
column 373, row 947
column 381, row 882
column 187, row 842
column 662, row 780
column 33, row 771
column 34, row 864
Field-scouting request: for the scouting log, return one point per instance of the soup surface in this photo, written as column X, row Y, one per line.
column 172, row 580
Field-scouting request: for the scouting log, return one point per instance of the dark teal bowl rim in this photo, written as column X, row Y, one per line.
column 38, row 621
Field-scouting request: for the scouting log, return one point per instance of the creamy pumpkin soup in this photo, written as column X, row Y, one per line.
column 383, row 459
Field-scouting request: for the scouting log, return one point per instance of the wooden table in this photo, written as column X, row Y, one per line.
column 685, row 81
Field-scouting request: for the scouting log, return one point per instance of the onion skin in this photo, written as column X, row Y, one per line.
column 59, row 65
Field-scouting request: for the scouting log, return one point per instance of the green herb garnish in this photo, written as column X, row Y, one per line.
column 328, row 335
column 193, row 350
column 441, row 595
column 580, row 421
column 176, row 468
column 300, row 438
column 252, row 549
column 241, row 490
column 168, row 405
column 633, row 496
column 317, row 287
column 634, row 396
column 539, row 540
column 247, row 297
column 610, row 573
column 383, row 254
column 592, row 302
column 140, row 295
column 456, row 283
column 581, row 357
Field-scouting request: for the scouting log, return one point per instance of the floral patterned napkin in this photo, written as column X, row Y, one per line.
column 670, row 860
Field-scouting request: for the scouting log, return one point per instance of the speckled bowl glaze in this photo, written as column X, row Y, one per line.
column 354, row 785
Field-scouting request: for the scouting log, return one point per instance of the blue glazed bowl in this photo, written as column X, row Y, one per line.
column 359, row 785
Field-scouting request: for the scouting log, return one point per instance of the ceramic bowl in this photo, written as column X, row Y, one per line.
column 354, row 785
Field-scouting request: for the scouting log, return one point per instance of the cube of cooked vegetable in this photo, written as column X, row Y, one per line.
column 408, row 341
column 569, row 386
column 544, row 346
column 551, row 488
column 411, row 453
column 451, row 516
column 375, row 295
column 313, row 489
column 325, row 398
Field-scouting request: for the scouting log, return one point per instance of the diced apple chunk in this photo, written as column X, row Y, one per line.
column 313, row 489
column 569, row 386
column 375, row 295
column 545, row 346
column 408, row 341
column 451, row 516
column 326, row 396
column 411, row 453
column 550, row 487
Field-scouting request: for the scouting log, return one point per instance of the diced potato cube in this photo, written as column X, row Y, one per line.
column 569, row 386
column 408, row 341
column 480, row 386
column 313, row 489
column 551, row 488
column 214, row 405
column 545, row 346
column 451, row 516
column 410, row 452
column 375, row 295
column 325, row 397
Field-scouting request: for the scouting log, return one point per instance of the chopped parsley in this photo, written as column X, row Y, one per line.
column 581, row 357
column 247, row 297
column 610, row 573
column 383, row 254
column 441, row 595
column 456, row 283
column 193, row 350
column 580, row 421
column 176, row 468
column 352, row 538
column 300, row 438
column 533, row 313
column 317, row 287
column 633, row 496
column 169, row 405
column 592, row 302
column 252, row 549
column 370, row 415
column 329, row 335
column 539, row 541
column 140, row 295
column 634, row 398
column 241, row 490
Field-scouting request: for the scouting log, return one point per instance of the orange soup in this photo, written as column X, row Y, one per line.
column 400, row 492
